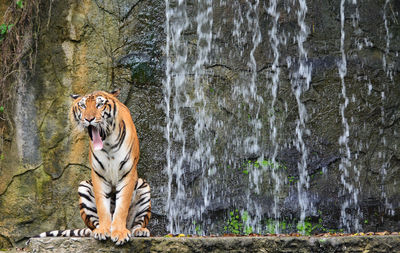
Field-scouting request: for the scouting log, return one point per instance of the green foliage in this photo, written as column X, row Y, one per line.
column 308, row 227
column 271, row 225
column 247, row 166
column 1, row 108
column 236, row 223
column 20, row 4
column 305, row 228
column 4, row 29
column 197, row 228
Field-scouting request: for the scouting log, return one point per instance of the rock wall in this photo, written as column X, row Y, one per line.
column 224, row 244
column 98, row 44
column 82, row 46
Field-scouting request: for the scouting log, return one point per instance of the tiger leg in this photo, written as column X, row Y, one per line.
column 102, row 190
column 87, row 204
column 140, row 210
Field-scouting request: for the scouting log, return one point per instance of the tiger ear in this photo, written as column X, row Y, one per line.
column 75, row 96
column 115, row 92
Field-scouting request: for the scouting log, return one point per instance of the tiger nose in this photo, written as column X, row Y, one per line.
column 89, row 119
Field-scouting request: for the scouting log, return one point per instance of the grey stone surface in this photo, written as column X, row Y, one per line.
column 223, row 244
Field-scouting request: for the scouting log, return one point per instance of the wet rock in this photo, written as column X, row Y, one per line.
column 222, row 244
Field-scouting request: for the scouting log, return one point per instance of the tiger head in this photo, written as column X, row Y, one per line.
column 94, row 112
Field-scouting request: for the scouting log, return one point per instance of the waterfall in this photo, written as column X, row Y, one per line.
column 275, row 69
column 301, row 83
column 174, row 89
column 349, row 173
column 202, row 158
column 388, row 67
column 229, row 130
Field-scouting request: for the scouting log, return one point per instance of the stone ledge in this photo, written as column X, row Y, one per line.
column 222, row 244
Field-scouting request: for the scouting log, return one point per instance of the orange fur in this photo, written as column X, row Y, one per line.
column 113, row 225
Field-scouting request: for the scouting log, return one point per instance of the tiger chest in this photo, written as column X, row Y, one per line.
column 111, row 165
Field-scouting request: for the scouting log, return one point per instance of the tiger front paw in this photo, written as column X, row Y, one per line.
column 120, row 236
column 101, row 233
column 140, row 232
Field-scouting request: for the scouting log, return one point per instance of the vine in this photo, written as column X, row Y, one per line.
column 19, row 28
column 18, row 39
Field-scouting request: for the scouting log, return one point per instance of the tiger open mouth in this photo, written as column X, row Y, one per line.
column 96, row 136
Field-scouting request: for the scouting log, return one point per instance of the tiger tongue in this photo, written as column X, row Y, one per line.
column 97, row 142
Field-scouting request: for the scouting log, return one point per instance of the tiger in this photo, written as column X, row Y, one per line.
column 115, row 203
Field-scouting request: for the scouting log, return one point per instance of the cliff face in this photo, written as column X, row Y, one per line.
column 82, row 47
column 101, row 45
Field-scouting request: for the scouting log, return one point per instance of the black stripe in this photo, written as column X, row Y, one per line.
column 121, row 165
column 85, row 196
column 137, row 223
column 144, row 193
column 117, row 192
column 97, row 159
column 74, row 110
column 123, row 176
column 143, row 200
column 121, row 129
column 115, row 109
column 121, row 137
column 98, row 174
column 109, row 110
column 143, row 185
column 138, row 215
column 83, row 205
column 88, row 216
column 77, row 232
column 109, row 195
column 91, row 194
column 50, row 234
column 128, row 155
column 87, row 187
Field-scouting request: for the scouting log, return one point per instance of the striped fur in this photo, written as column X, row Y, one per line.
column 84, row 232
column 139, row 210
column 115, row 203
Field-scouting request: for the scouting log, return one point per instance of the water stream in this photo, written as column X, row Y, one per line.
column 174, row 88
column 238, row 134
column 301, row 83
column 275, row 73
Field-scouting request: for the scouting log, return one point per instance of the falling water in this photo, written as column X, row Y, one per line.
column 211, row 149
column 347, row 219
column 275, row 70
column 202, row 158
column 301, row 83
column 386, row 66
column 252, row 142
column 174, row 87
column 389, row 72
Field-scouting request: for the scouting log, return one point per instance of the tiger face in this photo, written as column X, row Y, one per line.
column 94, row 112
